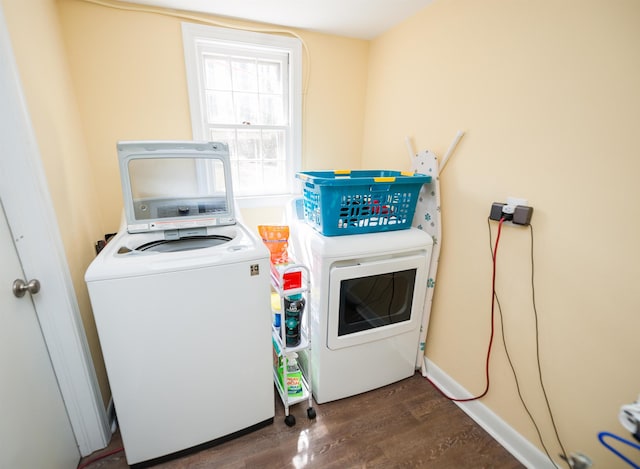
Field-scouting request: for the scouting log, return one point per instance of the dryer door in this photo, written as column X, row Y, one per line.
column 375, row 300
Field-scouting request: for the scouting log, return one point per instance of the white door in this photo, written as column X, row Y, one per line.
column 34, row 428
column 28, row 208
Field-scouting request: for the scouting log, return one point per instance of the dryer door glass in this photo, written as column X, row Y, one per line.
column 373, row 300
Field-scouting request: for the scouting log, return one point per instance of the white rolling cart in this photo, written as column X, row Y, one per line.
column 289, row 281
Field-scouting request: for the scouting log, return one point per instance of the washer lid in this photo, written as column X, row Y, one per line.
column 175, row 185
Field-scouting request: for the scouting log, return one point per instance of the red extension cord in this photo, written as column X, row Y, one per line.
column 493, row 302
column 98, row 458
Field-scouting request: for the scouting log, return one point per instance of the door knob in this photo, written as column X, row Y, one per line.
column 20, row 287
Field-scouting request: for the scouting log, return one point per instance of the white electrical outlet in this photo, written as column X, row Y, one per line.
column 517, row 201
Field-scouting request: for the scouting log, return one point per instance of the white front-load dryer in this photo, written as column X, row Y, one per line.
column 367, row 304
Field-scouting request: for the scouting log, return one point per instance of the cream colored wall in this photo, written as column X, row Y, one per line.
column 548, row 95
column 128, row 70
column 130, row 85
column 42, row 64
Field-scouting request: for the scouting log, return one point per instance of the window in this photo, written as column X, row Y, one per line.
column 245, row 89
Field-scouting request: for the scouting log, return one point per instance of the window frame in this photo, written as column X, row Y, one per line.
column 197, row 37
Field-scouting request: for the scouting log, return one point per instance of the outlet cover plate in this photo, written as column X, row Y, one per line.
column 517, row 201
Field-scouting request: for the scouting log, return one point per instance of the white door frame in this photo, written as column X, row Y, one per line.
column 29, row 211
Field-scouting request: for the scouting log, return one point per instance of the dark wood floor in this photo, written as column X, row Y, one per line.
column 403, row 425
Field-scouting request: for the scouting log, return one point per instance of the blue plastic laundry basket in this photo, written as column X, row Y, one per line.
column 356, row 202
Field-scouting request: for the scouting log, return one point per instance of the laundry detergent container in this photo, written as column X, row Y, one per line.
column 360, row 201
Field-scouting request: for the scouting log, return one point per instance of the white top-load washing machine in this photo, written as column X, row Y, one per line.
column 367, row 304
column 181, row 301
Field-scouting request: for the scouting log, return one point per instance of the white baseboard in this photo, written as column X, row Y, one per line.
column 521, row 448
